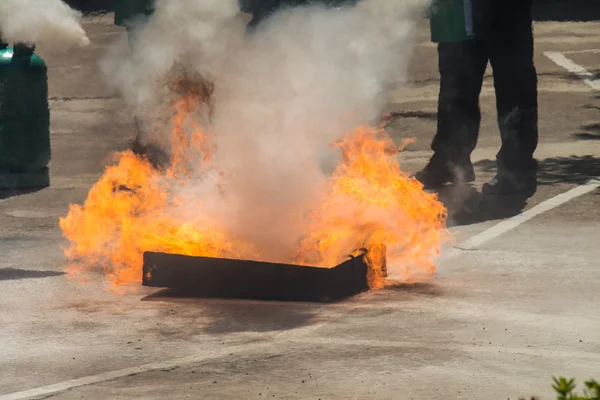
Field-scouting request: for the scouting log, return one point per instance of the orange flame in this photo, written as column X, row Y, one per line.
column 369, row 202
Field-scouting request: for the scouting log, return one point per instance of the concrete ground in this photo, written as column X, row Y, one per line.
column 514, row 303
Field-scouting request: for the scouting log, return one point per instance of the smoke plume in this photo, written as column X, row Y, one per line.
column 30, row 21
column 283, row 93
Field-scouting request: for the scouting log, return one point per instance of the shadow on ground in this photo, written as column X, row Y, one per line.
column 92, row 6
column 218, row 316
column 8, row 193
column 559, row 10
column 543, row 10
column 591, row 132
column 7, row 274
column 573, row 169
column 235, row 315
column 258, row 7
column 468, row 206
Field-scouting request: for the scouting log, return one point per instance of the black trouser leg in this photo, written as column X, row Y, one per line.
column 461, row 66
column 515, row 81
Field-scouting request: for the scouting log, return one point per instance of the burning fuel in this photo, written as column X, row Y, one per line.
column 244, row 177
column 368, row 201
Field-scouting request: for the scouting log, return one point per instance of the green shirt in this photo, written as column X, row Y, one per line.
column 128, row 10
column 451, row 20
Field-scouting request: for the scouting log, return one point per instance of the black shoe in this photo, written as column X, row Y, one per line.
column 439, row 171
column 503, row 184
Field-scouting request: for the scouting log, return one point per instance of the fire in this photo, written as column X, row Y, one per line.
column 369, row 203
column 124, row 216
column 127, row 210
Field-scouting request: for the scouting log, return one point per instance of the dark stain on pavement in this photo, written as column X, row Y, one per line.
column 7, row 274
column 421, row 289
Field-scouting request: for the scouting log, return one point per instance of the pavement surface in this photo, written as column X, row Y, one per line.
column 513, row 304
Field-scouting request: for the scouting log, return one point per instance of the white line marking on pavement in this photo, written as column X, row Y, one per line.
column 512, row 223
column 568, row 64
column 120, row 373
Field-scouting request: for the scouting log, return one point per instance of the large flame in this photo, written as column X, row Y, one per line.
column 369, row 204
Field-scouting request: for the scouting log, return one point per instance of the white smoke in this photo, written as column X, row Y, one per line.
column 283, row 94
column 30, row 21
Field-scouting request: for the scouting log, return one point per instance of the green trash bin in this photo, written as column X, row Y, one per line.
column 24, row 119
column 451, row 21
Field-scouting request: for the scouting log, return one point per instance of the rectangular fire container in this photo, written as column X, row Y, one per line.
column 226, row 278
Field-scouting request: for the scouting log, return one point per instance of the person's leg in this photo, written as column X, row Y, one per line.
column 515, row 81
column 461, row 66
